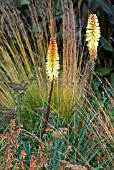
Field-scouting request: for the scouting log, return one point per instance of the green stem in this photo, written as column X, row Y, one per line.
column 48, row 107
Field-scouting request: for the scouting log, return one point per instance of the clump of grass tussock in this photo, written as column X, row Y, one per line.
column 19, row 57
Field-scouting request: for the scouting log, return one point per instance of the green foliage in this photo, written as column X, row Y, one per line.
column 108, row 8
column 112, row 78
column 105, row 44
column 104, row 71
column 22, row 2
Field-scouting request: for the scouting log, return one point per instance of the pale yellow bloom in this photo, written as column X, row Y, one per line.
column 52, row 65
column 92, row 36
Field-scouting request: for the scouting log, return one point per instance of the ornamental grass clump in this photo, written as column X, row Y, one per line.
column 92, row 37
column 52, row 69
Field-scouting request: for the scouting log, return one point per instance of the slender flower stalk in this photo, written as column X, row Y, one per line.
column 92, row 37
column 52, row 69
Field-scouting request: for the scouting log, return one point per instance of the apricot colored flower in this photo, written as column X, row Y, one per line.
column 93, row 36
column 23, row 154
column 52, row 65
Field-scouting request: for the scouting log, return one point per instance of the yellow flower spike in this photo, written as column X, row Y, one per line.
column 52, row 65
column 93, row 36
column 52, row 69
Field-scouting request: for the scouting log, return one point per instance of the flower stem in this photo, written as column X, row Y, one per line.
column 48, row 107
